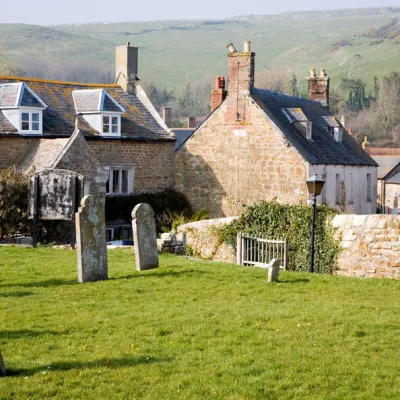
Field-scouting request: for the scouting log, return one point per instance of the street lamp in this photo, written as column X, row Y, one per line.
column 314, row 186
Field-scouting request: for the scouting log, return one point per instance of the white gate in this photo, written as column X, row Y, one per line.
column 255, row 251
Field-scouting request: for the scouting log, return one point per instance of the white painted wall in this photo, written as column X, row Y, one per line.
column 355, row 182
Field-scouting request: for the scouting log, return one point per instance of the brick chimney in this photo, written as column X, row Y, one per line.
column 167, row 116
column 218, row 95
column 318, row 87
column 240, row 69
column 126, row 66
column 191, row 123
column 240, row 83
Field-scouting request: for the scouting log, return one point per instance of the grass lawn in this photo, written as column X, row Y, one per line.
column 192, row 330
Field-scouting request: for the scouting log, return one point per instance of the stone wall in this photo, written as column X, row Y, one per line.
column 370, row 245
column 202, row 240
column 14, row 150
column 226, row 164
column 153, row 162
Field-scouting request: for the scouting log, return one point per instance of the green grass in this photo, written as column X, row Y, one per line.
column 192, row 330
column 172, row 51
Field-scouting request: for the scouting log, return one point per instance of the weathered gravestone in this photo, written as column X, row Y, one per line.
column 144, row 237
column 273, row 270
column 2, row 367
column 91, row 240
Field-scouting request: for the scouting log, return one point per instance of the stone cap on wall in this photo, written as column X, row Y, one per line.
column 374, row 221
column 205, row 223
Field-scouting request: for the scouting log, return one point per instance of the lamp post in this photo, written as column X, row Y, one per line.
column 314, row 186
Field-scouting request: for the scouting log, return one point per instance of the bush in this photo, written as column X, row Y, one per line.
column 14, row 203
column 167, row 206
column 291, row 222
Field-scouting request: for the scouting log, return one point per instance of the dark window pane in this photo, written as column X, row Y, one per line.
column 125, row 177
column 35, row 117
column 106, row 128
column 25, row 126
column 115, row 181
column 35, row 126
column 25, row 117
column 115, row 121
column 114, row 128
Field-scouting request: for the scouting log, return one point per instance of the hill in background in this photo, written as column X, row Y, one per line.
column 172, row 51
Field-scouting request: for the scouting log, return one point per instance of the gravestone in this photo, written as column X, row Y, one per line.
column 273, row 270
column 91, row 240
column 144, row 237
column 2, row 367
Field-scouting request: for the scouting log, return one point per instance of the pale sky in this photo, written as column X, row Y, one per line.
column 48, row 12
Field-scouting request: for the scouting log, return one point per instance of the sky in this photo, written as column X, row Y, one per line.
column 50, row 12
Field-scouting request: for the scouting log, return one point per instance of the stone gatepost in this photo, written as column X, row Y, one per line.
column 2, row 366
column 273, row 270
column 144, row 237
column 91, row 240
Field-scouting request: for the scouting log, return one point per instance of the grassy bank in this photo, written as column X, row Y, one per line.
column 192, row 330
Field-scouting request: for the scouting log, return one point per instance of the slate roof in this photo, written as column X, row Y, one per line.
column 94, row 100
column 181, row 134
column 323, row 148
column 386, row 164
column 18, row 94
column 137, row 123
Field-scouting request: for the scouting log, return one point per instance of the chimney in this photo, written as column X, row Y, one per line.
column 167, row 116
column 240, row 69
column 218, row 94
column 318, row 87
column 126, row 66
column 191, row 123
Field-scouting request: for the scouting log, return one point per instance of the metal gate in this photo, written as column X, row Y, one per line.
column 255, row 251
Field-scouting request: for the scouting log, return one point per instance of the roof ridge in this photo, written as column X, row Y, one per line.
column 288, row 95
column 24, row 79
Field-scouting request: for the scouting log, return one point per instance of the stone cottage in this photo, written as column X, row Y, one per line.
column 110, row 133
column 263, row 145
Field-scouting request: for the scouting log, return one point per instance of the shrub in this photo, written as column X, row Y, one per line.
column 13, row 203
column 291, row 222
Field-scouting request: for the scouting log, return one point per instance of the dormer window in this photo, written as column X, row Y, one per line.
column 334, row 128
column 111, row 124
column 22, row 107
column 30, row 121
column 99, row 110
column 298, row 119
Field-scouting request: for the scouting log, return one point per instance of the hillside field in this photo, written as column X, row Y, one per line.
column 173, row 51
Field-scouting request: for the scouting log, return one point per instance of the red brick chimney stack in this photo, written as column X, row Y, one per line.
column 218, row 94
column 240, row 69
column 318, row 87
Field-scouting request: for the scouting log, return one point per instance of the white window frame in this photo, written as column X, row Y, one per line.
column 110, row 116
column 131, row 176
column 31, row 111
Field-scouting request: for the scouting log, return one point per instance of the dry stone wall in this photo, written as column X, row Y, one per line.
column 370, row 245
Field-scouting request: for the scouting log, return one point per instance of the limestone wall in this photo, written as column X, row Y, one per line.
column 370, row 245
column 202, row 240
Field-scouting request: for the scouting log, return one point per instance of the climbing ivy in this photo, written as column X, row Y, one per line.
column 292, row 222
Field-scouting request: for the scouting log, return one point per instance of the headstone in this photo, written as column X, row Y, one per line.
column 2, row 366
column 91, row 240
column 273, row 270
column 144, row 237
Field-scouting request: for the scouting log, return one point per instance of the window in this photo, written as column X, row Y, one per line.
column 369, row 188
column 111, row 124
column 337, row 189
column 120, row 181
column 351, row 189
column 30, row 121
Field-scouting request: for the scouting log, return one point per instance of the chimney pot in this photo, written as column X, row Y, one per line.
column 231, row 48
column 219, row 82
column 247, row 46
column 312, row 73
column 322, row 73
